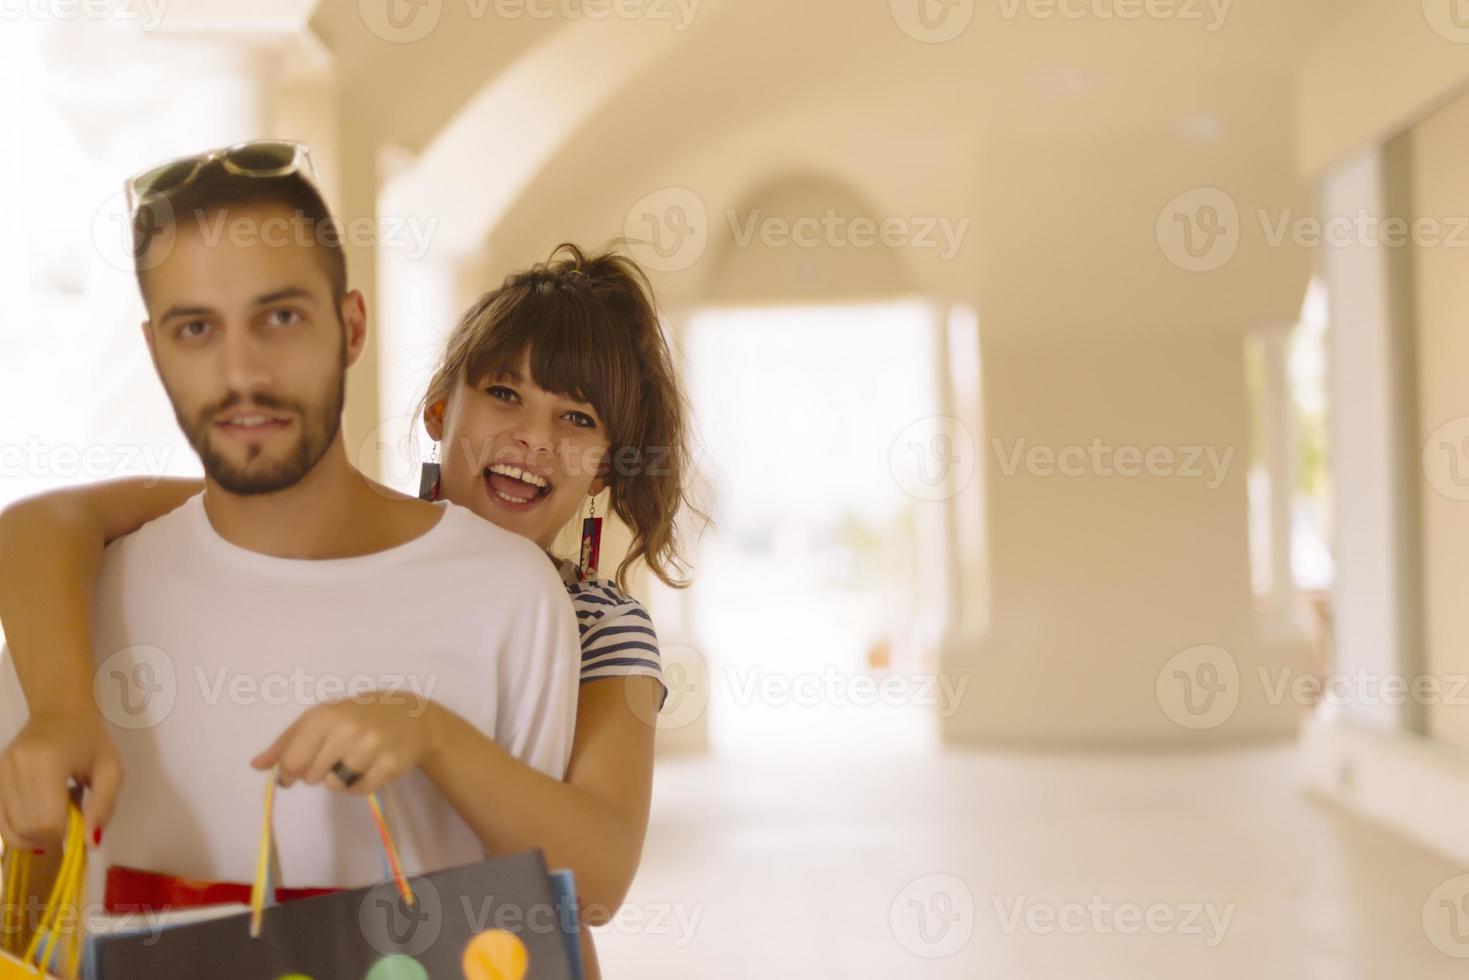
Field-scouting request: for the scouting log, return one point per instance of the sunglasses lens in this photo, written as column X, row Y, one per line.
column 164, row 179
column 263, row 157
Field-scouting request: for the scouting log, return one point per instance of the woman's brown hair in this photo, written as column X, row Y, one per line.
column 591, row 328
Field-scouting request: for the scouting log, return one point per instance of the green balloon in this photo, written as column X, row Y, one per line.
column 397, row 968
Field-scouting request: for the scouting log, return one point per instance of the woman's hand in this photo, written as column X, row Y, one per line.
column 35, row 768
column 379, row 736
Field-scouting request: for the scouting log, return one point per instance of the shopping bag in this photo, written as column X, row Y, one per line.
column 55, row 941
column 503, row 909
column 499, row 919
column 12, row 968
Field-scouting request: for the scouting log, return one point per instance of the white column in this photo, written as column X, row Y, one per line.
column 1374, row 469
column 1279, row 454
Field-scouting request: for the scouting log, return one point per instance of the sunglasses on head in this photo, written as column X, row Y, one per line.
column 256, row 158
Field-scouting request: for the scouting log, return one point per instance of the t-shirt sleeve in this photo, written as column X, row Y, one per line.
column 619, row 642
column 536, row 719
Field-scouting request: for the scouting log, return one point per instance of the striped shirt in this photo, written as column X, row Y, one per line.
column 617, row 636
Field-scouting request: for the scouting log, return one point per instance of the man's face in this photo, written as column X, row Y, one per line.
column 249, row 345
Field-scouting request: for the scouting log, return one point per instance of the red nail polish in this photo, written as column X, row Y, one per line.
column 96, row 836
column 39, row 852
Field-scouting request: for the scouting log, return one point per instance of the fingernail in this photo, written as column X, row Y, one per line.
column 97, row 836
column 39, row 852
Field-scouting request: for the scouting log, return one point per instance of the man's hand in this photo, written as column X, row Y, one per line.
column 380, row 737
column 35, row 768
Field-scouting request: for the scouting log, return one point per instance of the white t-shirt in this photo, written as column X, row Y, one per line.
column 207, row 652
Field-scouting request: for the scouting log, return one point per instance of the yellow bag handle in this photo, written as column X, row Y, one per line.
column 54, row 931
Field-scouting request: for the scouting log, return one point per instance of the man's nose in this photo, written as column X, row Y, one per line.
column 244, row 364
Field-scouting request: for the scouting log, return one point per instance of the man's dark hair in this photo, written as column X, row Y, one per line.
column 215, row 189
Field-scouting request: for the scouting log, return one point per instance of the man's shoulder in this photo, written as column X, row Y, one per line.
column 163, row 532
column 504, row 556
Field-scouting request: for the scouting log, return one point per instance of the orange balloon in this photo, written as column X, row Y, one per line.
column 496, row 955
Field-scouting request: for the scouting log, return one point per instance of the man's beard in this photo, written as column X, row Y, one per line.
column 318, row 430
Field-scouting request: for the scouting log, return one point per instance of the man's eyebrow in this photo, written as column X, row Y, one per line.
column 290, row 292
column 176, row 311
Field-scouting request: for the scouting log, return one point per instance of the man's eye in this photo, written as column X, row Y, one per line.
column 283, row 317
column 501, row 392
column 193, row 329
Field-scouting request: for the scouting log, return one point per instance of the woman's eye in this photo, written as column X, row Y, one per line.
column 501, row 392
column 582, row 419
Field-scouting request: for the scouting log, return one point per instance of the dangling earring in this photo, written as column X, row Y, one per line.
column 428, row 481
column 591, row 544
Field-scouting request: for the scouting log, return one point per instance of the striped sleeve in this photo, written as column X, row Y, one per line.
column 617, row 636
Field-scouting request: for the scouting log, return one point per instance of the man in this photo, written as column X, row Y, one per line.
column 295, row 614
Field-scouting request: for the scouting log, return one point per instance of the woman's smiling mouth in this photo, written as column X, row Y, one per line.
column 515, row 488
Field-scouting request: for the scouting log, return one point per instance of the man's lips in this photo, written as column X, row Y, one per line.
column 251, row 426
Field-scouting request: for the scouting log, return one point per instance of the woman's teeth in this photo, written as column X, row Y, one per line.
column 506, row 482
column 516, row 473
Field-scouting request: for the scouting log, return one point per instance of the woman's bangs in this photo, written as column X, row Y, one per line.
column 571, row 355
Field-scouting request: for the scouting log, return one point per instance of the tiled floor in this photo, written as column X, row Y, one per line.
column 1016, row 866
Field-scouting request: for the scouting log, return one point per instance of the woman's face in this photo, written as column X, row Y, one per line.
column 518, row 455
